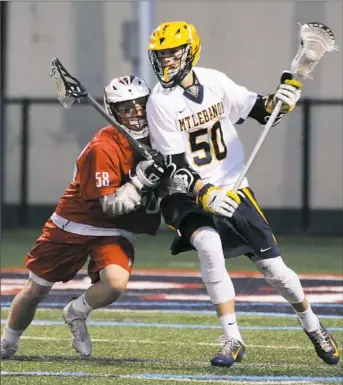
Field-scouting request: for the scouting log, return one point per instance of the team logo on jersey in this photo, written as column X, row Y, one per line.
column 202, row 117
column 277, row 120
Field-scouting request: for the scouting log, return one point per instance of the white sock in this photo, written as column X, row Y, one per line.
column 12, row 336
column 81, row 306
column 309, row 321
column 229, row 324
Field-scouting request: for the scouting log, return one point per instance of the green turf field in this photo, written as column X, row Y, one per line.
column 136, row 350
column 304, row 254
column 134, row 353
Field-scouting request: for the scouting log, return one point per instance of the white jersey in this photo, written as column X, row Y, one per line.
column 202, row 127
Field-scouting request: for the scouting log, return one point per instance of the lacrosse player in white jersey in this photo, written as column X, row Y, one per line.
column 191, row 115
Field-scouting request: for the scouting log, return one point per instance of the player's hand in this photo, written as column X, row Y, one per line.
column 289, row 92
column 125, row 200
column 147, row 174
column 218, row 200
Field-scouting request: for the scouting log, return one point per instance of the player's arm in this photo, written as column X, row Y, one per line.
column 125, row 200
column 289, row 92
column 167, row 139
column 259, row 112
column 183, row 179
column 145, row 178
column 100, row 179
column 129, row 197
column 243, row 104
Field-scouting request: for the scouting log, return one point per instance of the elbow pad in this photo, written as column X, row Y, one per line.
column 182, row 177
column 125, row 200
column 259, row 111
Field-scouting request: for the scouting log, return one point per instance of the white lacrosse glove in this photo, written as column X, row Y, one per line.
column 147, row 174
column 125, row 200
column 289, row 92
column 217, row 200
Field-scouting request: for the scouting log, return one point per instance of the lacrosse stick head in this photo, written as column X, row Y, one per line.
column 315, row 40
column 68, row 88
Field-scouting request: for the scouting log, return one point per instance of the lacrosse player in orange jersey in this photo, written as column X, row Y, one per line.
column 99, row 213
column 191, row 115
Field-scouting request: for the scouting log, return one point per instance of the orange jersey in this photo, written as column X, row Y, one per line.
column 102, row 167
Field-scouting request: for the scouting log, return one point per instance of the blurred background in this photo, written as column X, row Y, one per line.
column 297, row 176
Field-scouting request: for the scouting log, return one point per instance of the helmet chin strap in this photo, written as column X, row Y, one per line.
column 142, row 132
column 139, row 135
column 166, row 74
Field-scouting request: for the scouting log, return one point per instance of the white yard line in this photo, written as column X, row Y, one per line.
column 169, row 343
column 265, row 380
column 157, row 325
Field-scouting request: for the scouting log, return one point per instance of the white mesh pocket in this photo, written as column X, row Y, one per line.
column 315, row 40
column 60, row 88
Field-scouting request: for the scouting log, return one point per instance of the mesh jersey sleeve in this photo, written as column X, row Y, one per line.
column 164, row 134
column 99, row 172
column 238, row 99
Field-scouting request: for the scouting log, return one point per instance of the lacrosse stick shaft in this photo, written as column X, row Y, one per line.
column 140, row 149
column 258, row 144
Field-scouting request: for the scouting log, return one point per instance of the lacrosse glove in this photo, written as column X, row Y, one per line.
column 146, row 175
column 217, row 200
column 125, row 200
column 289, row 92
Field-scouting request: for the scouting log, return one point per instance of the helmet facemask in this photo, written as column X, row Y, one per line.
column 172, row 65
column 125, row 98
column 132, row 115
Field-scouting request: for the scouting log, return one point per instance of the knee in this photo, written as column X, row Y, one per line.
column 284, row 279
column 210, row 252
column 205, row 239
column 212, row 265
column 117, row 284
column 115, row 278
column 275, row 271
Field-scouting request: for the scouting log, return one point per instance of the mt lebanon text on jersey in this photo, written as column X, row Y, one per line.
column 201, row 117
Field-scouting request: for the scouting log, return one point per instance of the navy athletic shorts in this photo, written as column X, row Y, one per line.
column 246, row 233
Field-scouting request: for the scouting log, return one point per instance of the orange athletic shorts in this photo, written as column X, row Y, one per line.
column 59, row 255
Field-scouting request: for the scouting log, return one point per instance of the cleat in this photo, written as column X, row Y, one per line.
column 325, row 345
column 232, row 351
column 7, row 350
column 80, row 337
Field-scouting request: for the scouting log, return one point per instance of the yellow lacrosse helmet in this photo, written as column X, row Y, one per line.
column 174, row 48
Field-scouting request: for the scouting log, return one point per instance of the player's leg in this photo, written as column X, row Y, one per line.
column 57, row 256
column 44, row 271
column 287, row 283
column 110, row 269
column 197, row 229
column 113, row 282
column 21, row 313
column 217, row 281
column 269, row 262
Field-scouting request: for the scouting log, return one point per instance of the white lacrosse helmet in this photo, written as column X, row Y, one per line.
column 125, row 99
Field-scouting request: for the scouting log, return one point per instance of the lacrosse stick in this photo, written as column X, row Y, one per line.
column 69, row 90
column 315, row 40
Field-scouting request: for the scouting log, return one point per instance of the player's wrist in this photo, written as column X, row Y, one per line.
column 146, row 175
column 135, row 181
column 204, row 193
column 269, row 103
